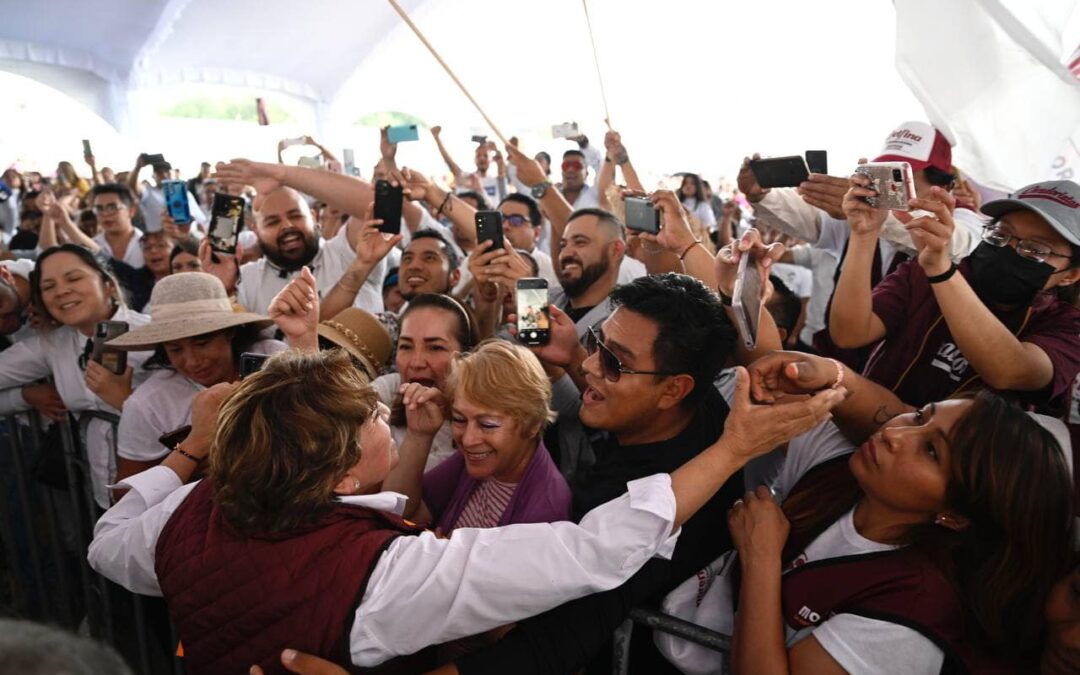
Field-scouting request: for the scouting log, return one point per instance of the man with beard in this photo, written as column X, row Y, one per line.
column 592, row 249
column 290, row 241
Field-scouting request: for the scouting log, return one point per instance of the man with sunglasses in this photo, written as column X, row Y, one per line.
column 113, row 205
column 1003, row 319
column 575, row 171
column 648, row 403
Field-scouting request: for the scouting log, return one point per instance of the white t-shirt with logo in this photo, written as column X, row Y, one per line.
column 858, row 644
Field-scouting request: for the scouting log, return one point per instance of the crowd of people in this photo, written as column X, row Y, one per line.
column 882, row 480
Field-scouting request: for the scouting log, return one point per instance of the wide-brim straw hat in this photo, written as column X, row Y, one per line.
column 185, row 305
column 362, row 335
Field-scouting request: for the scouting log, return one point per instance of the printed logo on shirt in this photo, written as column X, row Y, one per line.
column 950, row 360
column 808, row 617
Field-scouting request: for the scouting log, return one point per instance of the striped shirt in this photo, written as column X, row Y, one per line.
column 486, row 504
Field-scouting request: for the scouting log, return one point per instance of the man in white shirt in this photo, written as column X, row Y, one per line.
column 494, row 188
column 113, row 206
column 15, row 297
column 575, row 170
column 152, row 197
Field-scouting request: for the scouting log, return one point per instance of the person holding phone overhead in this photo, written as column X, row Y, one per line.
column 74, row 291
column 152, row 196
column 196, row 339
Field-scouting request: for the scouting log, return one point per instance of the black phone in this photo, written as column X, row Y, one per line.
column 533, row 315
column 155, row 158
column 479, row 139
column 780, row 171
column 175, row 437
column 226, row 221
column 114, row 360
column 176, row 201
column 86, row 151
column 489, row 225
column 250, row 362
column 641, row 215
column 817, row 161
column 388, row 206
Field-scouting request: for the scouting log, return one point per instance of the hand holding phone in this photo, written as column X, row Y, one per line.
column 176, row 201
column 893, row 182
column 748, row 299
column 780, row 171
column 641, row 215
column 114, row 360
column 533, row 311
column 388, row 198
column 402, row 133
column 250, row 362
column 226, row 221
column 565, row 130
column 489, row 226
column 817, row 161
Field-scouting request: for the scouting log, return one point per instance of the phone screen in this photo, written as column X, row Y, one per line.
column 251, row 362
column 388, row 206
column 747, row 300
column 533, row 320
column 226, row 221
column 114, row 360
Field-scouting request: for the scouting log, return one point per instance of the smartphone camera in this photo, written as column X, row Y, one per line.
column 897, row 175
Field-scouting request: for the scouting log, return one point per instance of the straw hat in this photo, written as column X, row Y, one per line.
column 360, row 334
column 185, row 305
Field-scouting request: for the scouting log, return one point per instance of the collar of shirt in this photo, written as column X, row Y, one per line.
column 388, row 502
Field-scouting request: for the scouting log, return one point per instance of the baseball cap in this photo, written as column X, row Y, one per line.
column 918, row 144
column 1057, row 201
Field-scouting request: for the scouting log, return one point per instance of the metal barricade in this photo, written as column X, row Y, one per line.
column 664, row 623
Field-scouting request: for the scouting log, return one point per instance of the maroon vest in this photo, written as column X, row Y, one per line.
column 898, row 586
column 239, row 601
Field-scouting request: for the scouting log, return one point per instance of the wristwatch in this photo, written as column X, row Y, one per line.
column 538, row 191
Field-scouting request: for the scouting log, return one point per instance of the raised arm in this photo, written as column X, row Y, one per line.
column 852, row 322
column 455, row 170
column 462, row 214
column 351, row 195
column 424, row 417
column 727, row 265
column 133, row 177
column 371, row 246
column 553, row 205
column 781, row 208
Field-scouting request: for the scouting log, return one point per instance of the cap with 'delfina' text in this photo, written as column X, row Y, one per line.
column 1057, row 201
column 918, row 144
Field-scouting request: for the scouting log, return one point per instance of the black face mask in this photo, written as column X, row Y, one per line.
column 1001, row 276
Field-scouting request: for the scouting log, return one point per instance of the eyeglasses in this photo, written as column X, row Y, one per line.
column 112, row 207
column 572, row 164
column 1032, row 250
column 610, row 365
column 516, row 220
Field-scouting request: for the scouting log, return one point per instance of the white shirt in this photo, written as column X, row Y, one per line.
column 153, row 202
column 132, row 254
column 424, row 590
column 160, row 405
column 703, row 212
column 57, row 353
column 261, row 280
column 442, row 445
column 587, row 199
column 822, row 266
column 858, row 644
column 20, row 268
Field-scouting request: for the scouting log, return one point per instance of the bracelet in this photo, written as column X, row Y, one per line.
column 184, row 453
column 839, row 374
column 697, row 242
column 944, row 276
column 444, row 201
column 725, row 299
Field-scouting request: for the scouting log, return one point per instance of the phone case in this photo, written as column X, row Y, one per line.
column 893, row 182
column 641, row 215
column 489, row 226
column 402, row 133
column 565, row 130
column 226, row 221
column 747, row 302
column 388, row 206
column 817, row 161
column 114, row 360
column 176, row 201
column 251, row 362
column 780, row 171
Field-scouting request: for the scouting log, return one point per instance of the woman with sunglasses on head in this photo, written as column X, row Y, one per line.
column 74, row 291
column 196, row 339
column 932, row 547
column 1002, row 319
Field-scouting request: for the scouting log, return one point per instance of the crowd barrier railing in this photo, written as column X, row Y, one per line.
column 665, row 623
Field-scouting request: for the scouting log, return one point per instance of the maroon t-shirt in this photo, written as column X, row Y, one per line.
column 919, row 359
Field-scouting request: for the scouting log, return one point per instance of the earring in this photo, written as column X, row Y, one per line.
column 356, row 485
column 942, row 520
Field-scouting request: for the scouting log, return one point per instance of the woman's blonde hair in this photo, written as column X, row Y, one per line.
column 506, row 377
column 286, row 437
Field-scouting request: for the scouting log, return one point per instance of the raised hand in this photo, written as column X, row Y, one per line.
column 436, row 130
column 112, row 388
column 759, row 529
column 932, row 235
column 264, row 177
column 528, row 169
column 387, row 150
column 675, row 235
column 780, row 374
column 372, row 244
column 728, row 257
column 295, row 310
column 224, row 267
column 863, row 219
column 564, row 347
column 747, row 181
column 826, row 193
column 424, row 408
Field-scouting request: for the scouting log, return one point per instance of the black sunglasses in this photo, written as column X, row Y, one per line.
column 610, row 365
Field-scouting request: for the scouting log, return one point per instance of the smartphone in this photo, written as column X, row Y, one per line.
column 747, row 300
column 388, row 206
column 251, row 362
column 86, row 151
column 175, row 437
column 114, row 360
column 893, row 182
column 350, row 162
column 489, row 225
column 641, row 215
column 226, row 221
column 533, row 317
column 780, row 171
column 479, row 139
column 402, row 133
column 565, row 130
column 176, row 201
column 817, row 161
column 289, row 142
column 151, row 159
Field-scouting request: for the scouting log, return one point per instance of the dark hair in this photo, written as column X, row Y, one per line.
column 119, row 189
column 448, row 250
column 699, row 192
column 606, row 218
column 34, row 649
column 1009, row 478
column 481, row 199
column 97, row 262
column 784, row 306
column 466, row 333
column 694, row 334
column 243, row 338
column 938, row 177
column 1068, row 294
column 576, row 153
column 546, row 156
column 188, row 245
column 535, row 217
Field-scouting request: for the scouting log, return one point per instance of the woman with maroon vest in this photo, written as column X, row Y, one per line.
column 287, row 543
column 931, row 548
